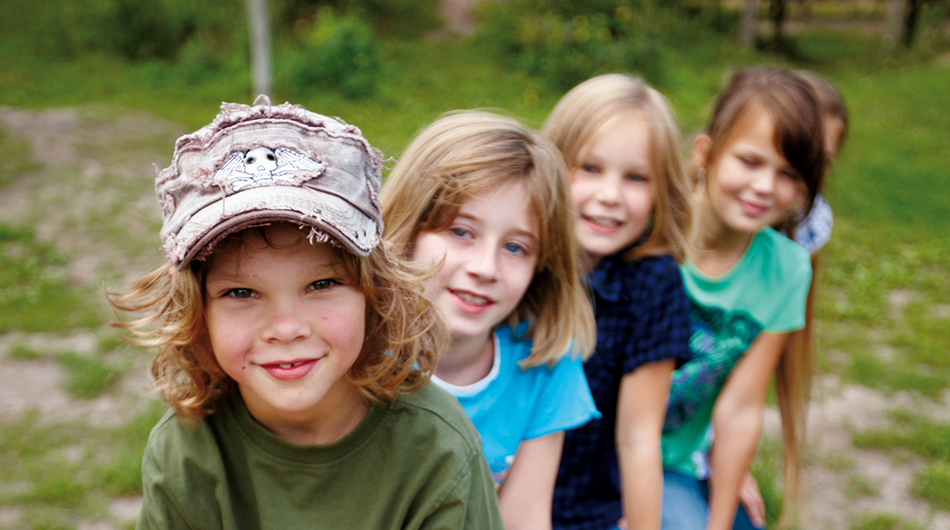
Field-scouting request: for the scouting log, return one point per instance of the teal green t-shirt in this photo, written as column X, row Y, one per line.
column 764, row 291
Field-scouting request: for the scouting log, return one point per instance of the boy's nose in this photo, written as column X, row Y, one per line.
column 286, row 326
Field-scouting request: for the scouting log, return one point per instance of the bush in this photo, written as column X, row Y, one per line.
column 337, row 52
column 139, row 30
column 565, row 51
column 405, row 19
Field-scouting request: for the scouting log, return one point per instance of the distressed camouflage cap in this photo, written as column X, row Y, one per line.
column 256, row 165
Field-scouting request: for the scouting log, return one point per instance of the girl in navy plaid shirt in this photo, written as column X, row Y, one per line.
column 621, row 143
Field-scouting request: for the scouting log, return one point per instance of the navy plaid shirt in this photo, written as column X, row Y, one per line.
column 642, row 316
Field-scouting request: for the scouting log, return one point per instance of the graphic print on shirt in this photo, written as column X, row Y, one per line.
column 718, row 340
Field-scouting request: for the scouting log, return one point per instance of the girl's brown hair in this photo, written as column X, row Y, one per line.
column 589, row 108
column 403, row 330
column 463, row 154
column 792, row 104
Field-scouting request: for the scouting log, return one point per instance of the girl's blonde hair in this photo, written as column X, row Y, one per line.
column 598, row 103
column 794, row 108
column 463, row 154
column 403, row 330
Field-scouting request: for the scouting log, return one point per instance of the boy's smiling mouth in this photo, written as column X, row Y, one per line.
column 288, row 371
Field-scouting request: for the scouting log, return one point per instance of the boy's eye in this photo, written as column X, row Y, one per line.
column 320, row 285
column 240, row 293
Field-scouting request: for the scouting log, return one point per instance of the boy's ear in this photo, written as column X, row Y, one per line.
column 700, row 153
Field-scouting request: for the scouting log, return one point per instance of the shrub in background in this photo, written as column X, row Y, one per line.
column 563, row 51
column 338, row 52
column 137, row 30
column 403, row 19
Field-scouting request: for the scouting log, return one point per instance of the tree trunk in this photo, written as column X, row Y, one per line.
column 911, row 12
column 777, row 14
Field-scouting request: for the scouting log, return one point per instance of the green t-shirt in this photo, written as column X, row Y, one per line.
column 764, row 291
column 413, row 463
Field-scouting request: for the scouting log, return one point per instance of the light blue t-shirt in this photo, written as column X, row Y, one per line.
column 510, row 404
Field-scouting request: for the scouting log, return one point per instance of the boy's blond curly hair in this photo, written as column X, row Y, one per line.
column 403, row 331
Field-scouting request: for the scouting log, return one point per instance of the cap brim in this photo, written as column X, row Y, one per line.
column 308, row 207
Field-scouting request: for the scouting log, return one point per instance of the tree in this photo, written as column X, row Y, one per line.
column 777, row 14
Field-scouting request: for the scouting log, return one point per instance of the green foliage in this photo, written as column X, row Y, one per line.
column 142, row 29
column 34, row 296
column 563, row 51
column 338, row 52
column 402, row 19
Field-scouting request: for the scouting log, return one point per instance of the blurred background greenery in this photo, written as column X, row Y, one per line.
column 94, row 91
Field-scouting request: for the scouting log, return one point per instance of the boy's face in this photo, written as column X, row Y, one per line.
column 286, row 323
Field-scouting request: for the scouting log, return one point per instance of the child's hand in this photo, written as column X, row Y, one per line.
column 751, row 500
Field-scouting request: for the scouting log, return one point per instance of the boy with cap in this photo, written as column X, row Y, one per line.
column 293, row 348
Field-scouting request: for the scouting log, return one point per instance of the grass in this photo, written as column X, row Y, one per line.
column 58, row 473
column 925, row 438
column 34, row 294
column 932, row 483
column 884, row 521
column 89, row 377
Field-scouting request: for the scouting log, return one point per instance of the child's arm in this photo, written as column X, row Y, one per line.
column 737, row 421
column 641, row 408
column 528, row 491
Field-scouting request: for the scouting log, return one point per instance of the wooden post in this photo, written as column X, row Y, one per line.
column 258, row 25
column 895, row 19
column 747, row 28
